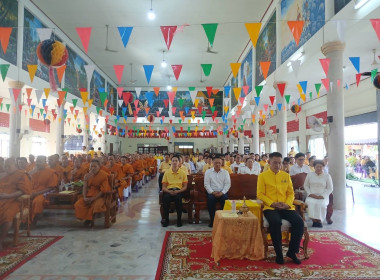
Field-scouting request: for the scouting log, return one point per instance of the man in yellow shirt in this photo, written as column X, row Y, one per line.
column 275, row 189
column 174, row 183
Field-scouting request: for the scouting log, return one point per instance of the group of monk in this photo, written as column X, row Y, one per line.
column 39, row 176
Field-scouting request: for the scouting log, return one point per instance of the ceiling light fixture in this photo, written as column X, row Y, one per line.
column 169, row 87
column 151, row 13
column 374, row 64
column 163, row 63
column 360, row 3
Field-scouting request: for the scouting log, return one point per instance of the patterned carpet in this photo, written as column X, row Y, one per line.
column 333, row 255
column 12, row 258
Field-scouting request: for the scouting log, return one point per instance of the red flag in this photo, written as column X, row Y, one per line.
column 166, row 102
column 209, row 91
column 5, row 34
column 271, row 98
column 171, row 95
column 126, row 97
column 118, row 72
column 376, row 26
column 84, row 34
column 168, row 33
column 281, row 88
column 325, row 62
column 177, row 70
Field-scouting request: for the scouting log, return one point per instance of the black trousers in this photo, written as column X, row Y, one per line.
column 211, row 204
column 274, row 219
column 166, row 199
column 160, row 181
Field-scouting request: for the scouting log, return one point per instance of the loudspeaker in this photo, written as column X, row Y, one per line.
column 277, row 130
column 329, row 119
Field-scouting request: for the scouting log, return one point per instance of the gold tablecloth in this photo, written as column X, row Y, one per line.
column 236, row 237
column 253, row 206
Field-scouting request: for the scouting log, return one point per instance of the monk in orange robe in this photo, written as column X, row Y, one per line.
column 94, row 185
column 77, row 174
column 22, row 163
column 115, row 169
column 44, row 179
column 138, row 167
column 87, row 161
column 53, row 162
column 13, row 185
column 67, row 168
column 32, row 163
column 127, row 170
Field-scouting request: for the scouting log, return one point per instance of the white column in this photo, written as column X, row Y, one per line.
column 241, row 143
column 302, row 132
column 378, row 127
column 60, row 130
column 231, row 143
column 281, row 119
column 14, row 121
column 85, row 131
column 335, row 113
column 103, row 144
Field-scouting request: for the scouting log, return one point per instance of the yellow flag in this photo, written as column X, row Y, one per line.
column 174, row 89
column 196, row 103
column 84, row 96
column 237, row 92
column 235, row 68
column 253, row 118
column 86, row 126
column 263, row 116
column 188, row 121
column 90, row 102
column 253, row 31
column 303, row 97
column 299, row 88
column 226, row 109
column 271, row 112
column 59, row 119
column 32, row 68
column 85, row 110
column 47, row 92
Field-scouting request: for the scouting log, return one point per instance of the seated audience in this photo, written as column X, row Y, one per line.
column 237, row 164
column 285, row 164
column 251, row 167
column 300, row 166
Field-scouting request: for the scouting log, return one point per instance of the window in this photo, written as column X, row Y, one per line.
column 273, row 146
column 39, row 147
column 262, row 148
column 4, row 145
column 74, row 143
column 317, row 147
column 293, row 143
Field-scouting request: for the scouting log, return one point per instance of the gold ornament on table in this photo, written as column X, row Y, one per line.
column 244, row 208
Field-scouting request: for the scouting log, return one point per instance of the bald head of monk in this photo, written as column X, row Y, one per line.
column 65, row 161
column 41, row 162
column 111, row 160
column 22, row 163
column 31, row 158
column 78, row 162
column 94, row 166
column 10, row 165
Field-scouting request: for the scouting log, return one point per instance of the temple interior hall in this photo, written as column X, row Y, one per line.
column 135, row 80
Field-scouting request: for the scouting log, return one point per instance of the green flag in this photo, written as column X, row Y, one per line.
column 373, row 75
column 287, row 98
column 203, row 115
column 8, row 106
column 191, row 88
column 210, row 29
column 97, row 109
column 213, row 109
column 75, row 101
column 41, row 111
column 206, row 69
column 311, row 95
column 180, row 121
column 4, row 70
column 317, row 87
column 258, row 90
column 103, row 97
column 180, row 101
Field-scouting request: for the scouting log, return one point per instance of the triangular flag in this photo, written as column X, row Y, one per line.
column 253, row 31
column 8, row 106
column 171, row 95
column 257, row 100
column 296, row 64
column 4, row 70
column 168, row 33
column 241, row 100
column 44, row 102
column 16, row 93
column 118, row 72
column 209, row 91
column 303, row 85
column 44, row 33
column 326, row 83
column 84, row 95
column 196, row 103
column 227, row 90
column 156, row 90
column 125, row 33
column 317, row 87
column 358, row 76
column 60, row 71
column 84, row 34
column 138, row 91
column 279, row 106
column 166, row 103
column 29, row 92
column 149, row 96
column 210, row 29
column 356, row 62
column 265, row 68
column 211, row 101
column 89, row 71
column 376, row 26
column 311, row 95
column 296, row 29
column 271, row 98
column 32, row 69
column 245, row 90
column 28, row 100
column 47, row 92
column 206, row 69
column 180, row 102
column 258, row 90
column 177, row 70
column 237, row 92
column 303, row 97
column 74, row 100
column 148, row 69
column 281, row 88
column 325, row 62
column 5, row 34
column 193, row 95
column 373, row 74
column 61, row 95
column 103, row 98
column 119, row 92
column 39, row 93
column 287, row 99
column 235, row 68
column 173, row 110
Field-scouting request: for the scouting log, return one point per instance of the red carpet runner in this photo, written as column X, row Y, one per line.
column 333, row 255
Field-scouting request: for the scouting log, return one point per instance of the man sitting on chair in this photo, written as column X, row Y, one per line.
column 174, row 183
column 275, row 189
column 94, row 185
column 217, row 183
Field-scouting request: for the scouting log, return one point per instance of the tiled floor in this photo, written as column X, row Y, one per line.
column 131, row 248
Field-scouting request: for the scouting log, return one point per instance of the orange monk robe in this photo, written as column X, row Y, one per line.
column 17, row 181
column 128, row 171
column 59, row 170
column 119, row 175
column 98, row 183
column 138, row 166
column 42, row 180
column 67, row 174
column 105, row 169
column 30, row 166
column 153, row 166
column 86, row 165
column 79, row 173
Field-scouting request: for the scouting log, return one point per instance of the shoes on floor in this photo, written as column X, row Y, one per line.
column 165, row 223
column 171, row 211
column 294, row 258
column 210, row 225
column 280, row 260
column 317, row 224
column 179, row 223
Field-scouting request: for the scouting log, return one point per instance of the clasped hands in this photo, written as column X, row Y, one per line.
column 280, row 206
column 89, row 200
column 217, row 194
column 316, row 196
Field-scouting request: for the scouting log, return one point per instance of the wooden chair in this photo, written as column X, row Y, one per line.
column 285, row 228
column 187, row 199
column 21, row 217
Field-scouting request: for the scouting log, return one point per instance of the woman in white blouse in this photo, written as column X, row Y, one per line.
column 318, row 186
column 251, row 167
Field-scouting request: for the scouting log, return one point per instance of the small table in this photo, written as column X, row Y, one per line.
column 253, row 206
column 61, row 200
column 236, row 237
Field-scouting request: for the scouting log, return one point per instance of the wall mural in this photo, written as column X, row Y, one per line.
column 97, row 82
column 340, row 4
column 266, row 48
column 75, row 74
column 9, row 18
column 112, row 97
column 246, row 71
column 312, row 12
column 234, row 84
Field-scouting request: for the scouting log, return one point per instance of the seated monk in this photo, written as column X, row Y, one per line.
column 44, row 179
column 13, row 185
column 79, row 170
column 138, row 167
column 22, row 163
column 67, row 168
column 94, row 185
column 119, row 175
column 127, row 170
column 53, row 162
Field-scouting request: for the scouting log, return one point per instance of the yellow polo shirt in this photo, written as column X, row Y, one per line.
column 185, row 170
column 174, row 179
column 164, row 166
column 227, row 168
column 266, row 167
column 273, row 187
column 227, row 163
column 206, row 167
column 262, row 163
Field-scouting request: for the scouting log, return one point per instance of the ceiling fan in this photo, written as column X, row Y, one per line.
column 107, row 48
column 209, row 49
column 131, row 80
column 201, row 80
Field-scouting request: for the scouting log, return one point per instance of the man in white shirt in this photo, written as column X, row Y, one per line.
column 237, row 164
column 251, row 167
column 217, row 182
column 200, row 163
column 300, row 166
